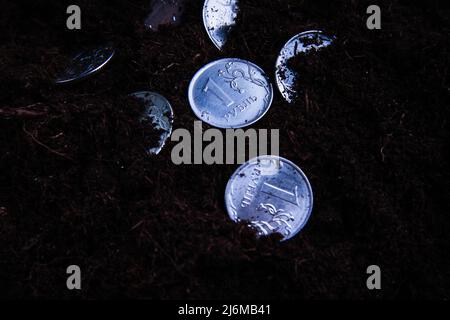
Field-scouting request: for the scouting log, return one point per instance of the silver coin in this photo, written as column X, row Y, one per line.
column 164, row 12
column 272, row 194
column 86, row 63
column 301, row 43
column 230, row 93
column 219, row 17
column 160, row 112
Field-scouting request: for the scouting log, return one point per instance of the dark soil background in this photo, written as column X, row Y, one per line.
column 370, row 130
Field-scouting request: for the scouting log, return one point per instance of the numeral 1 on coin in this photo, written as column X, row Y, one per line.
column 212, row 86
column 281, row 193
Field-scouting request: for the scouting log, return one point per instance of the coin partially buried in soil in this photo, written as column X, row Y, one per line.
column 86, row 63
column 230, row 93
column 219, row 17
column 159, row 111
column 164, row 12
column 272, row 194
column 302, row 43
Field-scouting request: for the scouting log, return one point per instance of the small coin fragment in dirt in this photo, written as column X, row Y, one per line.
column 164, row 12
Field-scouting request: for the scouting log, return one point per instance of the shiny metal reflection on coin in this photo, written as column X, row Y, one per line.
column 160, row 112
column 271, row 194
column 86, row 63
column 299, row 44
column 219, row 17
column 230, row 93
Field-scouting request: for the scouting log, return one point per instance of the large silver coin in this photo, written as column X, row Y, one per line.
column 230, row 93
column 272, row 194
column 300, row 44
column 219, row 17
column 160, row 112
column 86, row 63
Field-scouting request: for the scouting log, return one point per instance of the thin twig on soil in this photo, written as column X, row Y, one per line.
column 22, row 112
column 45, row 146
